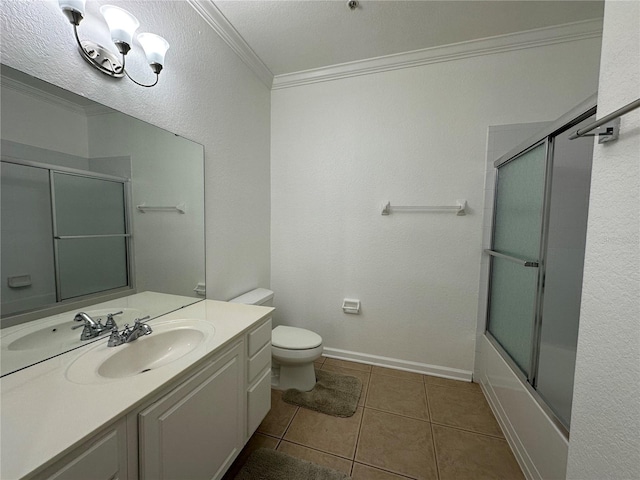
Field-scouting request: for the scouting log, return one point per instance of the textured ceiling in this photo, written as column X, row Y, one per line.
column 292, row 36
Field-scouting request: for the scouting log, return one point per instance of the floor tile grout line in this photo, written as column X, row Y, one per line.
column 433, row 437
column 398, row 377
column 426, row 394
column 290, row 422
column 364, row 401
column 355, row 453
column 384, row 470
column 403, row 415
column 455, row 427
column 387, row 470
column 275, row 437
column 435, row 451
column 318, row 450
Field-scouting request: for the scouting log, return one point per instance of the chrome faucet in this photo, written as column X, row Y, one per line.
column 129, row 334
column 91, row 329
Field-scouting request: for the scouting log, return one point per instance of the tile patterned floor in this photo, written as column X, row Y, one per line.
column 407, row 426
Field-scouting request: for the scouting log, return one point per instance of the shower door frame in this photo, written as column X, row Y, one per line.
column 546, row 136
column 537, row 317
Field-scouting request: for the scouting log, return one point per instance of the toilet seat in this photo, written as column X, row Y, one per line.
column 293, row 338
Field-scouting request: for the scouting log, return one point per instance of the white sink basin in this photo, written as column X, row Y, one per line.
column 170, row 341
column 58, row 333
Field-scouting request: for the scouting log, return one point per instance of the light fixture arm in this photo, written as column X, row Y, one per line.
column 134, row 81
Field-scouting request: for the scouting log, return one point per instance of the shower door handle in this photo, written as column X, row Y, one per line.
column 519, row 261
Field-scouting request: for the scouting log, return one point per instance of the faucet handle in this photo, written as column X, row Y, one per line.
column 110, row 323
column 115, row 339
column 88, row 332
column 138, row 321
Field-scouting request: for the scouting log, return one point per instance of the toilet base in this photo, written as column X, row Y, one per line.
column 301, row 377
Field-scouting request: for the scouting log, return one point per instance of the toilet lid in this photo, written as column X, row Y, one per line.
column 293, row 338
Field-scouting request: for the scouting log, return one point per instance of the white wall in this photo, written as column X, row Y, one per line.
column 415, row 137
column 205, row 94
column 606, row 409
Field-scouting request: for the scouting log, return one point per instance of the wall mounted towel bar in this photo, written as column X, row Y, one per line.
column 460, row 208
column 609, row 132
column 148, row 208
column 519, row 261
column 75, row 237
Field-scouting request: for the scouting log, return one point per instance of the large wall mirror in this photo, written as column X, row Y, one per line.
column 99, row 210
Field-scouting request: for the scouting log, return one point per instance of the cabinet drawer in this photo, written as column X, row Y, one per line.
column 259, row 337
column 258, row 402
column 259, row 362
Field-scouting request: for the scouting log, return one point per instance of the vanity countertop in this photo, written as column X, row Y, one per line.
column 137, row 305
column 44, row 414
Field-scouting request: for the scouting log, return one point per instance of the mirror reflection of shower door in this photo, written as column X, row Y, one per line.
column 90, row 231
column 515, row 254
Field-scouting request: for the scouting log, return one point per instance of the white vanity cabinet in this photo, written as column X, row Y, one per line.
column 196, row 430
column 104, row 457
column 191, row 426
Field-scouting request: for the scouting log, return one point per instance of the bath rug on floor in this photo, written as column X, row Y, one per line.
column 333, row 394
column 267, row 464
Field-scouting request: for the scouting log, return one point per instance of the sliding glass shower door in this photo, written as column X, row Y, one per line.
column 537, row 258
column 518, row 218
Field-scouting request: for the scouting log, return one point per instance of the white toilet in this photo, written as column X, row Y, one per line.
column 293, row 350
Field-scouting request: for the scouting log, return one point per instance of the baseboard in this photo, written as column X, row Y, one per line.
column 407, row 366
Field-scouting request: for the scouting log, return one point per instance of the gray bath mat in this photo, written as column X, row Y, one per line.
column 333, row 394
column 267, row 464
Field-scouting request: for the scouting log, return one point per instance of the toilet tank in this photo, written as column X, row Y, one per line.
column 259, row 296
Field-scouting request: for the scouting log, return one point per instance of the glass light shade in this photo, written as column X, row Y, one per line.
column 121, row 23
column 73, row 5
column 155, row 47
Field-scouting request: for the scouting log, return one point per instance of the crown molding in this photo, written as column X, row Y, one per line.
column 219, row 23
column 539, row 37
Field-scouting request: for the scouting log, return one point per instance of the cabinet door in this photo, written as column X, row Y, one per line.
column 101, row 458
column 195, row 432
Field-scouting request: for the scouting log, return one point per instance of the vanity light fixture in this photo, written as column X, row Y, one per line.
column 122, row 26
